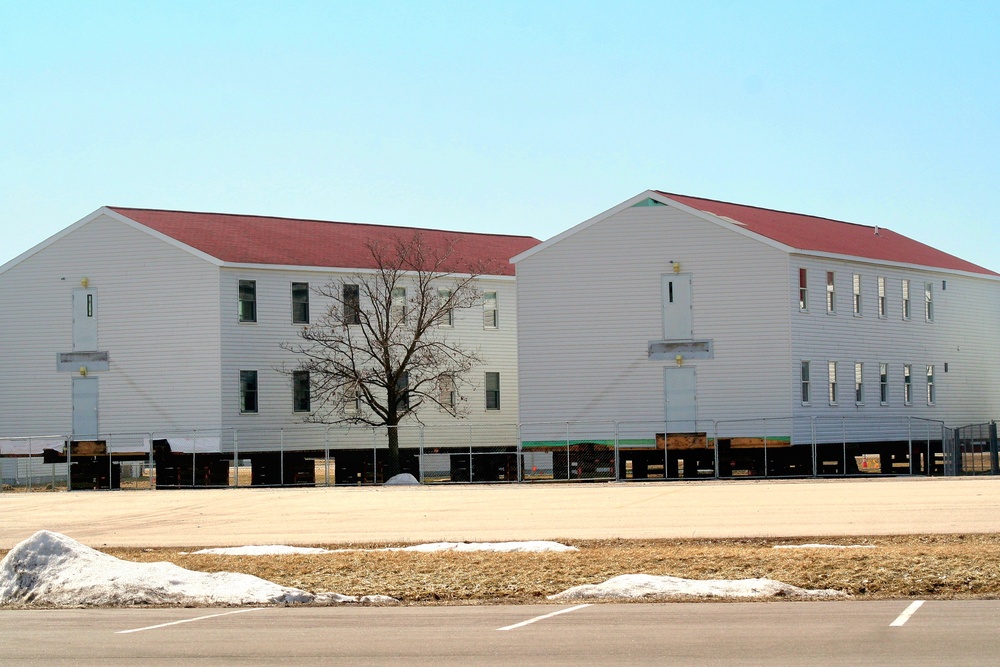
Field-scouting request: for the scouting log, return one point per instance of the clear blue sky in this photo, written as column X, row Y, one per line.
column 512, row 117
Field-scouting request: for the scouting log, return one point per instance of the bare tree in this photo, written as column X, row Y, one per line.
column 382, row 349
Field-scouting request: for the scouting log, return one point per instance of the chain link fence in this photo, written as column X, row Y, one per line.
column 578, row 451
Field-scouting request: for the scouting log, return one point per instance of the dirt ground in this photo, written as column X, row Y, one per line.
column 924, row 566
column 928, row 538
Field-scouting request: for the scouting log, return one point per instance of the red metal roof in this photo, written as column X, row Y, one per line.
column 253, row 239
column 807, row 232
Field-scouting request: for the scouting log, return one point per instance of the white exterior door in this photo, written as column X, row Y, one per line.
column 84, row 320
column 679, row 400
column 676, row 306
column 85, row 408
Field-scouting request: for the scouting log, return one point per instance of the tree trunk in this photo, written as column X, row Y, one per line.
column 393, row 435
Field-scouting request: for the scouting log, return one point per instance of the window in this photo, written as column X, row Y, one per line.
column 398, row 305
column 447, row 314
column 930, row 385
column 803, row 291
column 300, row 303
column 490, row 318
column 492, row 391
column 446, row 391
column 859, row 384
column 831, row 294
column 248, row 391
column 300, row 391
column 883, row 383
column 403, row 392
column 804, row 375
column 881, row 296
column 352, row 399
column 906, row 299
column 929, row 302
column 856, row 290
column 907, row 385
column 248, row 301
column 832, row 370
column 351, row 297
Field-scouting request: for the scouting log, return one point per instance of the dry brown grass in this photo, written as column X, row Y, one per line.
column 925, row 566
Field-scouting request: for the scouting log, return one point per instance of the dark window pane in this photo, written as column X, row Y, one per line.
column 248, row 301
column 300, row 303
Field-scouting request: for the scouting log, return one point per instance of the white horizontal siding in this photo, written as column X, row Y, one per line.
column 256, row 346
column 589, row 305
column 963, row 335
column 157, row 318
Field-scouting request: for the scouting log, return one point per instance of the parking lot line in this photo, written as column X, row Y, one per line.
column 905, row 616
column 543, row 617
column 186, row 620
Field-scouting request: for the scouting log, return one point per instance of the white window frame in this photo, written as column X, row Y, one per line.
column 931, row 392
column 491, row 310
column 448, row 318
column 398, row 303
column 244, row 393
column 806, row 391
column 859, row 383
column 905, row 284
column 907, row 384
column 928, row 302
column 881, row 298
column 350, row 297
column 803, row 290
column 447, row 393
column 856, row 291
column 831, row 293
column 831, row 367
column 883, row 382
column 492, row 393
column 246, row 314
column 297, row 378
column 296, row 319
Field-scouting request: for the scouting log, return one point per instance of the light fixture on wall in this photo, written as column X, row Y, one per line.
column 83, row 371
column 676, row 265
column 84, row 281
column 679, row 360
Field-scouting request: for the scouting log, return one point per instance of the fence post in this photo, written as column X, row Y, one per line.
column 326, row 456
column 715, row 446
column 843, row 440
column 815, row 446
column 520, row 454
column 765, row 446
column 994, row 451
column 420, row 457
column 236, row 456
column 617, row 453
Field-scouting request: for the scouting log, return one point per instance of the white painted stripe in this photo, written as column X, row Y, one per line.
column 187, row 620
column 905, row 616
column 542, row 618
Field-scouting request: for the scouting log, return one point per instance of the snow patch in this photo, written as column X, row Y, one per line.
column 632, row 586
column 824, row 546
column 261, row 550
column 49, row 568
column 402, row 479
column 539, row 546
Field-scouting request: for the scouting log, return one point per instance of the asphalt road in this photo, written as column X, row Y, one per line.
column 230, row 517
column 785, row 633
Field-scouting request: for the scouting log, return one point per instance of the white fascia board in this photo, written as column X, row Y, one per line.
column 648, row 194
column 52, row 239
column 344, row 270
column 898, row 265
column 160, row 235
